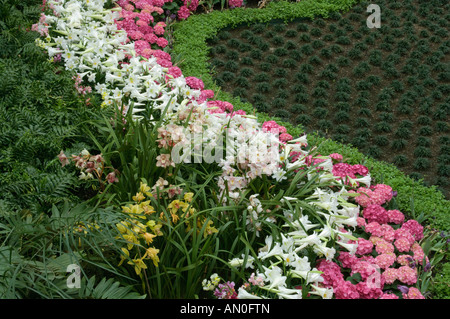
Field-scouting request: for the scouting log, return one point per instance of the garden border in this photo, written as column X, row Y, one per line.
column 191, row 48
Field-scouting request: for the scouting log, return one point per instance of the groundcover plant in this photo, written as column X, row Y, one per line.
column 198, row 199
column 384, row 90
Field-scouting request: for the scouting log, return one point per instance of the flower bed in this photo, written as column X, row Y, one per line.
column 308, row 225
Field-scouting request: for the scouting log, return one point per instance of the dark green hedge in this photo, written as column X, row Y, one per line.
column 191, row 49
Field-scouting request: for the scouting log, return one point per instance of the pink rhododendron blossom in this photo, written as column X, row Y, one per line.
column 395, row 216
column 346, row 290
column 235, row 3
column 384, row 247
column 183, row 13
column 347, row 260
column 336, row 157
column 364, row 246
column 390, row 275
column 385, row 260
column 375, row 213
column 407, row 275
column 415, row 228
column 413, row 293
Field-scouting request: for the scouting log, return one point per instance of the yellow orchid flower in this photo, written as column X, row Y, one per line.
column 148, row 237
column 123, row 258
column 138, row 265
column 145, row 189
column 138, row 197
column 152, row 253
column 188, row 196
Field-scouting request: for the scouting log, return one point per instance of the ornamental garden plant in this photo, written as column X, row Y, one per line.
column 176, row 192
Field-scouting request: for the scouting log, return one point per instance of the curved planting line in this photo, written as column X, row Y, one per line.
column 190, row 44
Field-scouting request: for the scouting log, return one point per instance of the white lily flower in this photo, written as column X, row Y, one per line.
column 274, row 277
column 244, row 294
column 350, row 247
column 325, row 293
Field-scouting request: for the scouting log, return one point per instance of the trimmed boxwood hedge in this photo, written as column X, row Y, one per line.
column 190, row 45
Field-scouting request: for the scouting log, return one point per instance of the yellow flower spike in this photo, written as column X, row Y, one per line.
column 148, row 237
column 145, row 189
column 209, row 229
column 152, row 253
column 122, row 227
column 123, row 258
column 138, row 197
column 175, row 218
column 188, row 197
column 174, row 206
column 138, row 265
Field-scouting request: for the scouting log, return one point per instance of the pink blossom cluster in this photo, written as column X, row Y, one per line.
column 83, row 90
column 138, row 20
column 41, row 26
column 235, row 3
column 226, row 291
column 343, row 170
column 275, row 128
column 187, row 8
column 387, row 254
column 376, row 194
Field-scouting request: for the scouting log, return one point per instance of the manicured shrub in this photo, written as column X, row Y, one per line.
column 422, row 151
column 261, row 77
column 302, row 78
column 281, row 52
column 422, row 164
column 290, row 45
column 277, row 40
column 298, row 108
column 400, row 160
column 425, row 131
column 231, row 66
column 273, row 59
column 256, row 54
column 247, row 61
column 291, row 33
column 343, row 61
column 307, row 49
column 303, row 119
column 263, row 87
column 280, row 83
column 246, row 72
column 320, row 112
column 305, row 68
column 342, row 129
column 399, row 144
column 289, row 63
column 232, row 55
column 383, row 127
column 227, row 76
column 381, row 140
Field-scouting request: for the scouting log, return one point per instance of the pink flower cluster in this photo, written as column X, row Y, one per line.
column 137, row 18
column 83, row 90
column 226, row 291
column 376, row 194
column 235, row 3
column 387, row 253
column 185, row 10
column 275, row 128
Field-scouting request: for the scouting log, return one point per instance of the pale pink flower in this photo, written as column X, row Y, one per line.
column 164, row 160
